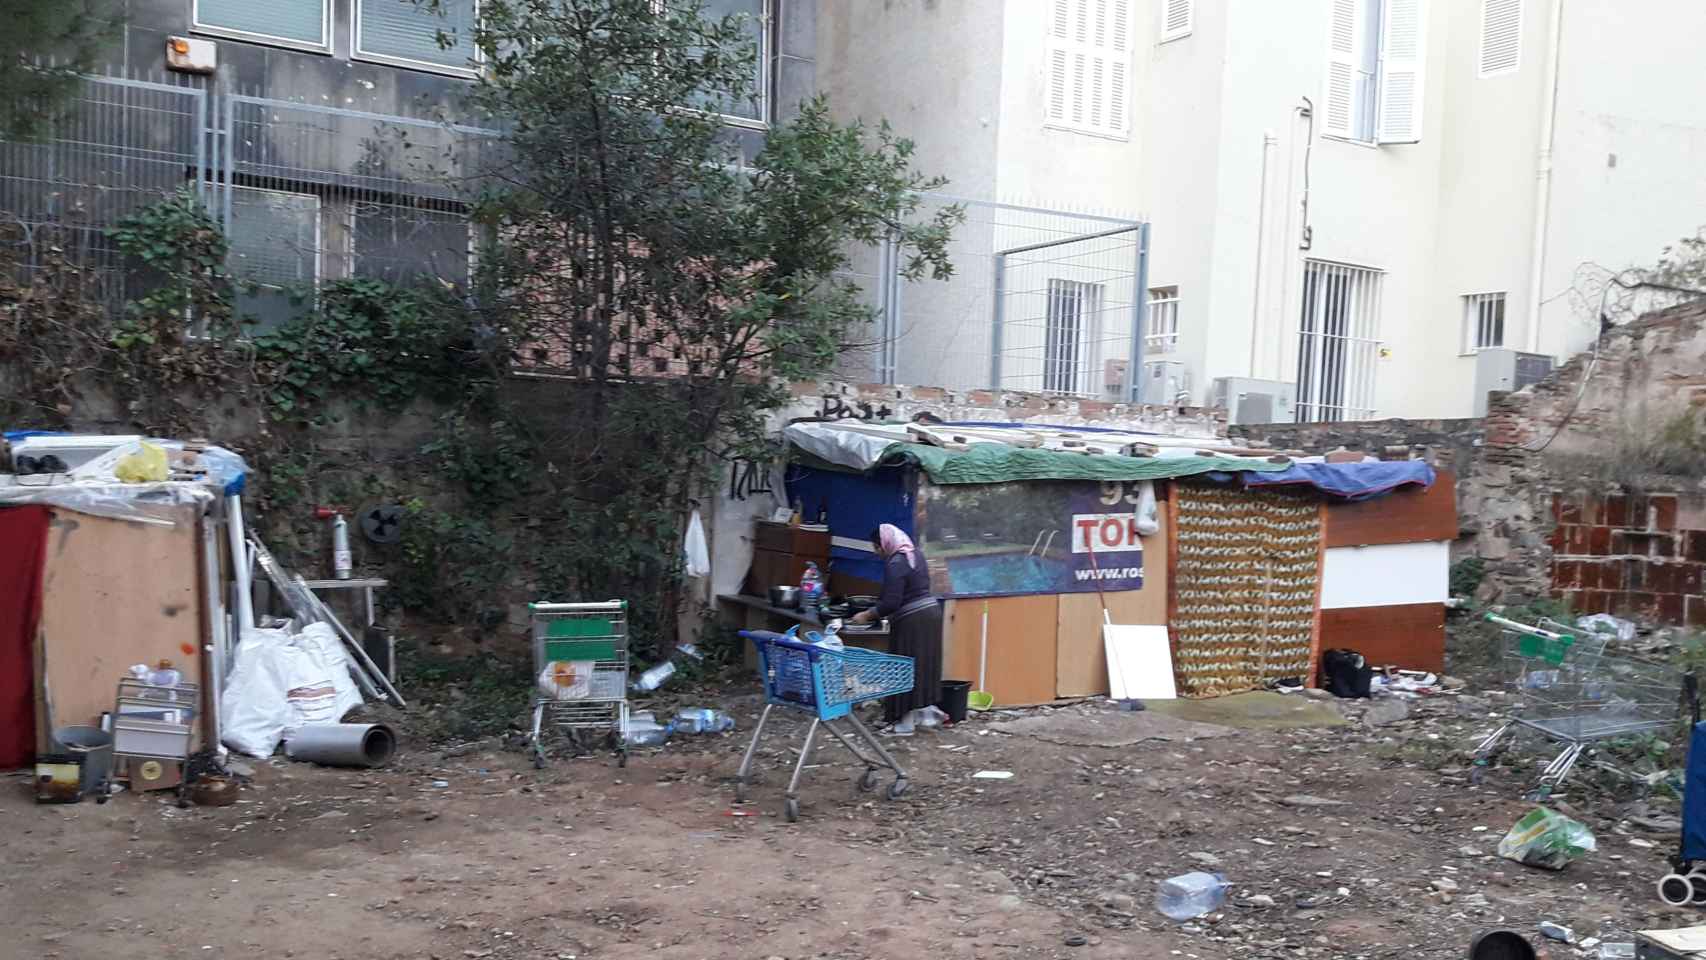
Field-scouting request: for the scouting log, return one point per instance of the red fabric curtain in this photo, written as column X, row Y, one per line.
column 23, row 549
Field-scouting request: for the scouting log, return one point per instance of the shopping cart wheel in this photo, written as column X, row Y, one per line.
column 740, row 791
column 621, row 758
column 868, row 781
column 538, row 759
column 897, row 789
column 791, row 809
column 1675, row 889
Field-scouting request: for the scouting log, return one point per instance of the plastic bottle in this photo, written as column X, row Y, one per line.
column 703, row 720
column 164, row 676
column 1191, row 895
column 654, row 678
column 647, row 733
column 811, row 587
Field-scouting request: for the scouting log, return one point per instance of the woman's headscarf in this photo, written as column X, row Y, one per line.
column 894, row 540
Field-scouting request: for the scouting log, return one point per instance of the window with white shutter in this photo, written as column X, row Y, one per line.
column 1501, row 37
column 305, row 24
column 406, row 34
column 1399, row 114
column 1089, row 66
column 1373, row 84
column 1175, row 19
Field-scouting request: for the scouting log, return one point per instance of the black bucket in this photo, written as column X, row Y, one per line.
column 954, row 696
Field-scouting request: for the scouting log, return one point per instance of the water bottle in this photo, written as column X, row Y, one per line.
column 654, row 678
column 703, row 720
column 1191, row 895
column 811, row 588
column 645, row 734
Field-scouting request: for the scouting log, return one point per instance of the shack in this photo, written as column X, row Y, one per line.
column 1254, row 561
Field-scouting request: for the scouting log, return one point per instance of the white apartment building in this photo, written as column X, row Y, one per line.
column 1350, row 200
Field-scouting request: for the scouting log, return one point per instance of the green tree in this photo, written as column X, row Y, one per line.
column 54, row 41
column 636, row 251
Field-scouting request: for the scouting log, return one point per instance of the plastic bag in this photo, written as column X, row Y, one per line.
column 696, row 554
column 1546, row 838
column 323, row 643
column 1605, row 624
column 253, row 711
column 146, row 464
column 309, row 690
column 567, row 679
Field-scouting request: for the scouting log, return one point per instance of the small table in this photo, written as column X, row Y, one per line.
column 366, row 587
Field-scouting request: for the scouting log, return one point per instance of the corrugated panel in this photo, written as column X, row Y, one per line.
column 1501, row 36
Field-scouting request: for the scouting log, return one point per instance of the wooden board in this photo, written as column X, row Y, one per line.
column 1021, row 661
column 1081, row 664
column 1385, row 575
column 114, row 593
column 1140, row 662
column 1407, row 515
column 1411, row 636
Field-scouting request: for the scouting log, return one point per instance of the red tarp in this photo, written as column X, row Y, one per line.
column 23, row 532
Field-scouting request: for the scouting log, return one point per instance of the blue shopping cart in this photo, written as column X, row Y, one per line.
column 826, row 683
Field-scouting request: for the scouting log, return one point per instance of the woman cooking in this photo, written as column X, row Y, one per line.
column 915, row 619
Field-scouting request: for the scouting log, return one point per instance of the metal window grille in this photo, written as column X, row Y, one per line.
column 1483, row 321
column 1070, row 334
column 1162, row 335
column 1338, row 342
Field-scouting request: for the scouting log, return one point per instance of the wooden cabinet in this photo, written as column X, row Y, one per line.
column 780, row 553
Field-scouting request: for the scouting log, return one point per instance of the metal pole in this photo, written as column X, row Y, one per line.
column 997, row 311
column 1139, row 304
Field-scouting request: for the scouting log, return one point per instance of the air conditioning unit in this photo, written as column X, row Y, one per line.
column 1114, row 381
column 1165, row 383
column 1255, row 401
column 1499, row 368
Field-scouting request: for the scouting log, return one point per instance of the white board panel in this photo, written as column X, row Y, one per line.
column 1140, row 662
column 1385, row 575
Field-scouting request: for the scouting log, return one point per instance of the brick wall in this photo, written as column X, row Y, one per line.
column 1640, row 556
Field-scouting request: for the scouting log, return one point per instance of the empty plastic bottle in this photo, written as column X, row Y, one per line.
column 654, row 678
column 647, row 734
column 1191, row 895
column 703, row 720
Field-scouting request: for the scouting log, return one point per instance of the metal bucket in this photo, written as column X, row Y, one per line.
column 93, row 747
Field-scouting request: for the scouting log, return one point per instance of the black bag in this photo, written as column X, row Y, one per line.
column 1346, row 673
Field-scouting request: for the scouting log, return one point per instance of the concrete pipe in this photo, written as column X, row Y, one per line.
column 342, row 744
column 1675, row 889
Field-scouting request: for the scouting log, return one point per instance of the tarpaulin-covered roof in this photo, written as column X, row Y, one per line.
column 991, row 453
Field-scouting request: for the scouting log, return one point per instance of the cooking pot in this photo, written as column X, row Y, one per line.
column 785, row 597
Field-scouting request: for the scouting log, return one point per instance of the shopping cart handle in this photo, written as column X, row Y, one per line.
column 770, row 636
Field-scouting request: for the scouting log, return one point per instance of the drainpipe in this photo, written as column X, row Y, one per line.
column 1268, row 143
column 1543, row 176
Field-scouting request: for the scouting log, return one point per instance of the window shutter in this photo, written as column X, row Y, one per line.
column 303, row 21
column 1338, row 104
column 1175, row 19
column 398, row 28
column 1399, row 116
column 1089, row 45
column 1501, row 36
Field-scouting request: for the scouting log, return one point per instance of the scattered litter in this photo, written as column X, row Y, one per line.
column 1545, row 838
column 1554, row 931
column 1304, row 800
column 441, row 784
column 993, row 775
column 1616, row 951
column 1263, row 841
column 1077, row 940
column 1605, row 624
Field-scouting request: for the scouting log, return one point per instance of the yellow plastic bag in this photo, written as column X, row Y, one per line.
column 146, row 465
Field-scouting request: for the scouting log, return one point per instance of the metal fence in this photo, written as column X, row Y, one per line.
column 305, row 193
column 1040, row 300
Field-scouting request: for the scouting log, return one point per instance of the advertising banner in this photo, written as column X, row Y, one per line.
column 1008, row 539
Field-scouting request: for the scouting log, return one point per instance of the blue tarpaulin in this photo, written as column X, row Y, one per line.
column 1352, row 481
column 857, row 503
column 1694, row 798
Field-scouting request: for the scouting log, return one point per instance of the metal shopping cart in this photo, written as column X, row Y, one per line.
column 580, row 664
column 826, row 683
column 1573, row 693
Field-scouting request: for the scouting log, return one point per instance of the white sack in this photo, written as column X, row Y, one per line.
column 253, row 711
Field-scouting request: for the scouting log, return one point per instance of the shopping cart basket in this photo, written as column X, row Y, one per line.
column 1569, row 690
column 580, row 669
column 826, row 683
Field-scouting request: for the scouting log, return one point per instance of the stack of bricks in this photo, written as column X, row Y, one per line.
column 1639, row 556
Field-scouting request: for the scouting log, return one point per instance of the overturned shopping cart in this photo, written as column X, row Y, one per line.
column 1570, row 690
column 826, row 682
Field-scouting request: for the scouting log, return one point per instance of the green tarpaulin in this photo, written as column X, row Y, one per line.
column 995, row 463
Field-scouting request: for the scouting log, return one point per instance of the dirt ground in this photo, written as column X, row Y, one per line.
column 1337, row 840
